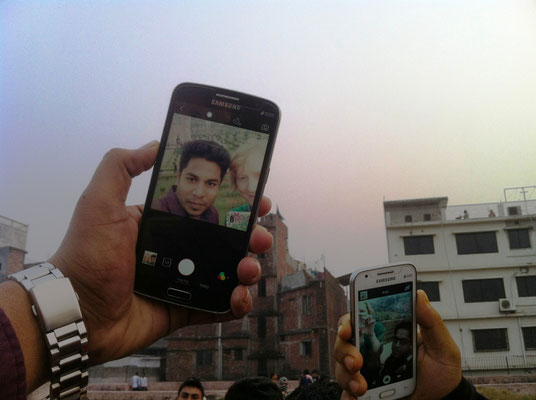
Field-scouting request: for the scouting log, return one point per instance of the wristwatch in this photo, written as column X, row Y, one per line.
column 55, row 304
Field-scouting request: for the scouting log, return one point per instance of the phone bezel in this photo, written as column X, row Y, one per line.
column 359, row 282
column 219, row 301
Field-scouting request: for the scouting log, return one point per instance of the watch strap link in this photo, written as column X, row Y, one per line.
column 55, row 304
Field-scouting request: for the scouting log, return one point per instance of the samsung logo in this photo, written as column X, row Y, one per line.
column 386, row 279
column 224, row 104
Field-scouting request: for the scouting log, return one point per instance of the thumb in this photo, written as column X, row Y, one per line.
column 434, row 333
column 114, row 174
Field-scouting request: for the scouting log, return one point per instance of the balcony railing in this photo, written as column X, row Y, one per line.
column 499, row 365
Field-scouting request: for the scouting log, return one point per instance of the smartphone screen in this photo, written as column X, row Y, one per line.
column 202, row 203
column 385, row 330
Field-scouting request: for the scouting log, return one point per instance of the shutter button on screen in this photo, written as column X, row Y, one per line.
column 186, row 267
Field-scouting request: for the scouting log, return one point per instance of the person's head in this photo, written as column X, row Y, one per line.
column 402, row 344
column 259, row 387
column 201, row 169
column 191, row 389
column 274, row 377
column 246, row 169
column 315, row 373
column 320, row 390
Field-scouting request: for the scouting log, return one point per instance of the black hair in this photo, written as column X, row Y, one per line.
column 404, row 325
column 324, row 390
column 258, row 388
column 192, row 382
column 207, row 149
column 305, row 371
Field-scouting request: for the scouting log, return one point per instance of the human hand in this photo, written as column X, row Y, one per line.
column 438, row 357
column 98, row 255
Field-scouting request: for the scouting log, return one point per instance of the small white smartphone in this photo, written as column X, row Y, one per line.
column 382, row 301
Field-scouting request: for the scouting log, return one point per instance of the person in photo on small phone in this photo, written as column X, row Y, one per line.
column 439, row 366
column 399, row 365
column 202, row 166
column 371, row 335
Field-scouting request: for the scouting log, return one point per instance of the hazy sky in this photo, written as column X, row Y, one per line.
column 380, row 100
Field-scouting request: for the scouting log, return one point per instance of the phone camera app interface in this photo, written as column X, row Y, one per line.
column 386, row 334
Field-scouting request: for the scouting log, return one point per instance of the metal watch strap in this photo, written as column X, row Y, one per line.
column 55, row 304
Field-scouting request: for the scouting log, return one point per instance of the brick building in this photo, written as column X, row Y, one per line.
column 293, row 324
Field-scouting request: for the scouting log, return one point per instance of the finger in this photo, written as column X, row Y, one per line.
column 434, row 333
column 265, row 206
column 260, row 240
column 115, row 172
column 249, row 271
column 241, row 302
column 353, row 384
column 346, row 354
column 345, row 327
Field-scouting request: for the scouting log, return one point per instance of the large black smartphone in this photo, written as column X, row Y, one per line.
column 204, row 194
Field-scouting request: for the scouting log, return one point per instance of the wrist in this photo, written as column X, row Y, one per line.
column 55, row 306
column 17, row 306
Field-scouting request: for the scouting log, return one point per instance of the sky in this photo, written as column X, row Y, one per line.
column 380, row 101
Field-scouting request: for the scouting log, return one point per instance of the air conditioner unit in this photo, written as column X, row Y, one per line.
column 507, row 306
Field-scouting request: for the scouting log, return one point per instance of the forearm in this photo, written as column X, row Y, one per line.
column 15, row 303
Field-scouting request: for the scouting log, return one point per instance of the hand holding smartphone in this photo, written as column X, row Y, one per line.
column 204, row 195
column 384, row 326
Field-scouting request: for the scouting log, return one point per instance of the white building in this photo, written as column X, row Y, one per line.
column 477, row 264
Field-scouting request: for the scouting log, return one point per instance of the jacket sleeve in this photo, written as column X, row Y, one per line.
column 12, row 370
column 464, row 391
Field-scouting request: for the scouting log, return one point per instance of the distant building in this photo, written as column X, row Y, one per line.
column 477, row 263
column 293, row 324
column 13, row 236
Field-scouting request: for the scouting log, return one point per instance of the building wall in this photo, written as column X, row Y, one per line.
column 446, row 255
column 450, row 269
column 277, row 303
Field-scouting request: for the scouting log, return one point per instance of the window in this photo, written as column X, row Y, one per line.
column 418, row 245
column 238, row 354
column 476, row 243
column 526, row 285
column 477, row 290
column 261, row 326
column 204, row 357
column 431, row 289
column 262, row 287
column 307, row 305
column 516, row 210
column 427, row 217
column 490, row 339
column 408, row 218
column 519, row 238
column 306, row 349
column 529, row 337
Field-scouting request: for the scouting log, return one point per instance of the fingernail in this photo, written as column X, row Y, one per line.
column 353, row 386
column 349, row 363
column 152, row 143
